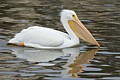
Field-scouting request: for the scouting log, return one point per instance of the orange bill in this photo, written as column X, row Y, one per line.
column 81, row 31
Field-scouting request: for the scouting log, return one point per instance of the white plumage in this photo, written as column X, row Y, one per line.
column 40, row 37
column 46, row 38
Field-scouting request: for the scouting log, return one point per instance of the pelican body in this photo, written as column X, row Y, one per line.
column 46, row 38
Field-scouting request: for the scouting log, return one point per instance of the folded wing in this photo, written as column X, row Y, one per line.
column 39, row 35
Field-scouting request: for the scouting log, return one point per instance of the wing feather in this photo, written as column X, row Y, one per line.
column 39, row 35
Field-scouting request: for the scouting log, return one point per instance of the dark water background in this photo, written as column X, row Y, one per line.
column 101, row 17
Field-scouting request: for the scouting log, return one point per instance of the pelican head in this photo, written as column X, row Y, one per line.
column 69, row 19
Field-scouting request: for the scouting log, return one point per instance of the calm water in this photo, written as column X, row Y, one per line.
column 102, row 18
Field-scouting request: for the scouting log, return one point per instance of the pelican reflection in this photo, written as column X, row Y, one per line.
column 74, row 64
column 35, row 55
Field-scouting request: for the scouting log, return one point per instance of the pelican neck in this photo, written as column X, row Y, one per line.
column 69, row 30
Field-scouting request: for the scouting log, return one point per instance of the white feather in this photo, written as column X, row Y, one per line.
column 40, row 37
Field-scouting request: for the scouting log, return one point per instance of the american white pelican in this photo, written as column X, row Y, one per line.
column 46, row 38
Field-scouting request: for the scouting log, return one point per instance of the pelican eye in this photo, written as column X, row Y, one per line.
column 73, row 15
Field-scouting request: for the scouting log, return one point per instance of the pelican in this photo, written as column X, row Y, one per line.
column 46, row 38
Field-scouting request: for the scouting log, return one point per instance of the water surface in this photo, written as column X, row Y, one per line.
column 101, row 17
